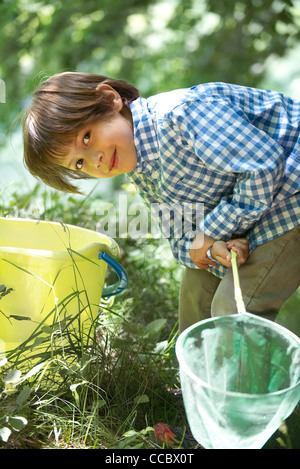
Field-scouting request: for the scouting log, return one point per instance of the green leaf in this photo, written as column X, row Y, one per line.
column 4, row 291
column 23, row 396
column 141, row 399
column 73, row 388
column 131, row 433
column 75, row 385
column 12, row 377
column 154, row 327
column 5, row 434
column 17, row 423
column 47, row 329
column 98, row 404
column 17, row 317
column 147, row 430
column 35, row 370
column 3, row 420
column 161, row 347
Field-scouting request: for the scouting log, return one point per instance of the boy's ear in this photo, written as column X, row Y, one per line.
column 112, row 95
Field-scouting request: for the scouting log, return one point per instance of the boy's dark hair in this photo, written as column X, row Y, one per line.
column 61, row 107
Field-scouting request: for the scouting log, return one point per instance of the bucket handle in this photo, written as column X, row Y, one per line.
column 119, row 286
column 105, row 253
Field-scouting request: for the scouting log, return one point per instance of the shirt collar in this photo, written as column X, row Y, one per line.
column 145, row 137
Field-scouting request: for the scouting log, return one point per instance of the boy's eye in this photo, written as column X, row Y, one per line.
column 86, row 138
column 79, row 164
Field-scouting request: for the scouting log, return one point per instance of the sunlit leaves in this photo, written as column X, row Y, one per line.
column 155, row 44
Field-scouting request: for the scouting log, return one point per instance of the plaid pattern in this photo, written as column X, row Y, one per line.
column 232, row 150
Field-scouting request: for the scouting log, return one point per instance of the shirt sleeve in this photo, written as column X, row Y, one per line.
column 227, row 143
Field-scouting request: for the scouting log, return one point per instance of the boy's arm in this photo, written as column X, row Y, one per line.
column 234, row 151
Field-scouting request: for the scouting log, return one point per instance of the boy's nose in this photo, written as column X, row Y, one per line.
column 96, row 159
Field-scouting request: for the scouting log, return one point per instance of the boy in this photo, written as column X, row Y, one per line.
column 232, row 150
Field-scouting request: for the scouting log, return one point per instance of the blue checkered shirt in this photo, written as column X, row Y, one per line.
column 229, row 151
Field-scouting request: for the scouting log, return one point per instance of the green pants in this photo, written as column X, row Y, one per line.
column 268, row 278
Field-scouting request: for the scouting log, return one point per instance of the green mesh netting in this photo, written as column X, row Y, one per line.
column 240, row 377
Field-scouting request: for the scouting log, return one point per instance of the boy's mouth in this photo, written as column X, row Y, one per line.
column 113, row 161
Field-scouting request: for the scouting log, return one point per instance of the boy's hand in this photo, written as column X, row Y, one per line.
column 221, row 251
column 200, row 246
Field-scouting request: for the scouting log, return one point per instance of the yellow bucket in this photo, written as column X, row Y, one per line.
column 51, row 272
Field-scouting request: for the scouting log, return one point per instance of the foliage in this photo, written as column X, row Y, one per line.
column 155, row 44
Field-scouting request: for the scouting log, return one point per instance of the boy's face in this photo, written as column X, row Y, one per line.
column 104, row 148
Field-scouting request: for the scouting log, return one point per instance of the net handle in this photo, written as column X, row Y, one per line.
column 236, row 282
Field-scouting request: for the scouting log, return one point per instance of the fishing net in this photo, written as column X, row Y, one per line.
column 240, row 378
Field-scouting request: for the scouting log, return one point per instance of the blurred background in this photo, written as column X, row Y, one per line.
column 156, row 45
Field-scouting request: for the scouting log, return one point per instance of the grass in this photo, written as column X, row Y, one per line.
column 110, row 391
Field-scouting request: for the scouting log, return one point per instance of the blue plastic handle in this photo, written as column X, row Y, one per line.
column 120, row 271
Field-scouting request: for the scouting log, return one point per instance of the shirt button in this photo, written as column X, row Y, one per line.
column 155, row 174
